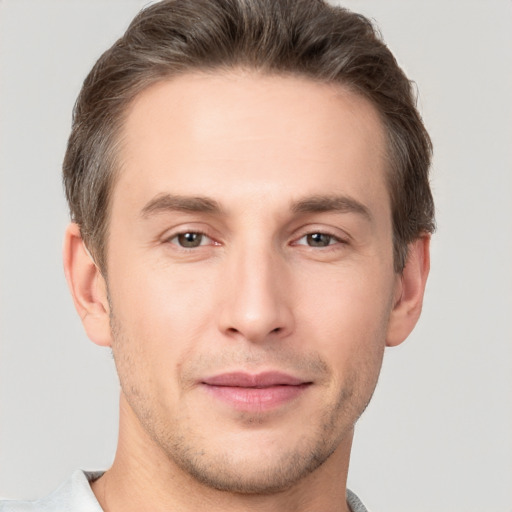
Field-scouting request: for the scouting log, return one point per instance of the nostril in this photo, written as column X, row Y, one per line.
column 276, row 330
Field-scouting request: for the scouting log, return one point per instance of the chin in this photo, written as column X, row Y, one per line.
column 268, row 469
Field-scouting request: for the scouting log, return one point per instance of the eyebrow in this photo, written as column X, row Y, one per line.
column 331, row 203
column 314, row 204
column 169, row 202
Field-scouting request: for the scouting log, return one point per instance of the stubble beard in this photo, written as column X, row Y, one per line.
column 191, row 452
column 272, row 473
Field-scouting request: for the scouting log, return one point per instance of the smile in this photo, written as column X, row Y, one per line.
column 259, row 392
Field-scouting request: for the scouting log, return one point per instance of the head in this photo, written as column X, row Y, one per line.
column 251, row 180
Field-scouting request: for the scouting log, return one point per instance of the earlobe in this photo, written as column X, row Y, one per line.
column 88, row 287
column 409, row 292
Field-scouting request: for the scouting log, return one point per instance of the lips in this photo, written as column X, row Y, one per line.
column 258, row 392
column 247, row 380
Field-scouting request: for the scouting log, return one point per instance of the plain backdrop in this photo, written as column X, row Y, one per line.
column 438, row 434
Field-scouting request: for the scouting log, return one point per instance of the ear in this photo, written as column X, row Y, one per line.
column 88, row 287
column 409, row 291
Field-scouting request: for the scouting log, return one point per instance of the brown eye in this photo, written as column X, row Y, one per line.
column 189, row 240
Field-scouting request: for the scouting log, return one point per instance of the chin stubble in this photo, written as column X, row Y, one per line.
column 191, row 451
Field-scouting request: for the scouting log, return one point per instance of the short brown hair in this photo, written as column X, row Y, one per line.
column 302, row 37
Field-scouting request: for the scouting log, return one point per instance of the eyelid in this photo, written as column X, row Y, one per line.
column 201, row 244
column 335, row 241
column 339, row 235
column 171, row 234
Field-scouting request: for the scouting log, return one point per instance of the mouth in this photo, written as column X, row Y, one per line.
column 255, row 392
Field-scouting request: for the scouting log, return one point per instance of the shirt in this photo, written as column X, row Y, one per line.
column 75, row 495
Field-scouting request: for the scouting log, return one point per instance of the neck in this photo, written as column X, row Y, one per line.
column 142, row 477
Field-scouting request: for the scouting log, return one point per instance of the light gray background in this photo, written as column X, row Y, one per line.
column 438, row 435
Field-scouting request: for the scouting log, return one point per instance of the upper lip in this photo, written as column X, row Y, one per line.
column 248, row 380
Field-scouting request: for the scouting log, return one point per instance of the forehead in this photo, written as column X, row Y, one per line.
column 237, row 132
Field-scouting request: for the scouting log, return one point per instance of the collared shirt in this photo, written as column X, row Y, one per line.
column 75, row 495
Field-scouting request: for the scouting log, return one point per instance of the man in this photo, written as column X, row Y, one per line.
column 248, row 185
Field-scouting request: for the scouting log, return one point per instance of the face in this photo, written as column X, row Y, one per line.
column 250, row 273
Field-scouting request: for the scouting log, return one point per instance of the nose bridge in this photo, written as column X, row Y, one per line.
column 257, row 305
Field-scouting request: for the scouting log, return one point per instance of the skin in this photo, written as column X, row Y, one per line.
column 293, row 272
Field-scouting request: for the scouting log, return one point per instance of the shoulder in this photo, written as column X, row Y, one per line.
column 354, row 503
column 75, row 494
column 18, row 506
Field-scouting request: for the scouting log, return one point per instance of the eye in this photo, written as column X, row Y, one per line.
column 318, row 240
column 190, row 239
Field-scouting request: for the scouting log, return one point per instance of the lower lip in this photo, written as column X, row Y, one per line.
column 256, row 399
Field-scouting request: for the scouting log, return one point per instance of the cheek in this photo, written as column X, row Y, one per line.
column 347, row 317
column 159, row 297
column 164, row 314
column 355, row 300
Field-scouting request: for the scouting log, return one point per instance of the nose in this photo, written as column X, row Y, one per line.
column 258, row 301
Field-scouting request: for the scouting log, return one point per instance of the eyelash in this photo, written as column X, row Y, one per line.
column 333, row 240
column 201, row 234
column 175, row 240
